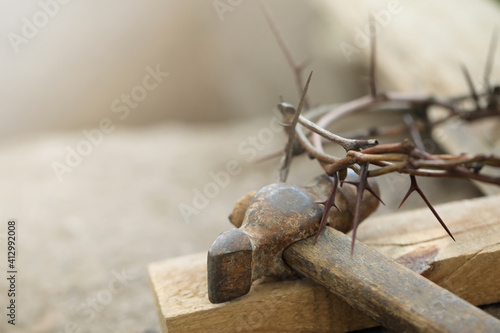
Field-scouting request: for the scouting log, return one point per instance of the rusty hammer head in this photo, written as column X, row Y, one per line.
column 276, row 216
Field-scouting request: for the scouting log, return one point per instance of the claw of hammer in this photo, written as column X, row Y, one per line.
column 276, row 216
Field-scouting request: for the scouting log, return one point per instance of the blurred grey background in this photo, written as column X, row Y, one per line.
column 90, row 222
column 67, row 75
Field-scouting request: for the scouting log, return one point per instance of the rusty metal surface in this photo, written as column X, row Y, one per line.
column 230, row 263
column 271, row 220
column 345, row 198
column 278, row 216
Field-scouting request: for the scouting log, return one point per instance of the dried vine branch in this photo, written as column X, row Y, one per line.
column 297, row 68
column 367, row 157
column 292, row 118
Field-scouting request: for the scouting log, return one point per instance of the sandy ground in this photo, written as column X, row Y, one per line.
column 84, row 242
column 88, row 229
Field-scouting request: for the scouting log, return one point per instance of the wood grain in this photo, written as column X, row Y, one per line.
column 388, row 292
column 427, row 62
column 471, row 260
column 467, row 267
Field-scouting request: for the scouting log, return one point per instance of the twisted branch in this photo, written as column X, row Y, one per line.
column 401, row 157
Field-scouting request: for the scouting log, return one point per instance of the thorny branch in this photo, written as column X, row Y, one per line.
column 293, row 118
column 370, row 159
column 297, row 68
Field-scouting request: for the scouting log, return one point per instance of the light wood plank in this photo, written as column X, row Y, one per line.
column 468, row 268
column 391, row 294
column 470, row 261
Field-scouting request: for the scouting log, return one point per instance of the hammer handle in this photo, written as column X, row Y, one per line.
column 391, row 294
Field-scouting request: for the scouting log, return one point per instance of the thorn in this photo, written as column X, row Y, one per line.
column 473, row 92
column 303, row 97
column 359, row 197
column 288, row 152
column 410, row 190
column 414, row 187
column 373, row 60
column 324, row 203
column 417, row 138
column 489, row 60
column 368, row 188
column 361, row 185
column 329, row 203
column 297, row 69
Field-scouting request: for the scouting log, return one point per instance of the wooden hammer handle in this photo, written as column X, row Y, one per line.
column 391, row 294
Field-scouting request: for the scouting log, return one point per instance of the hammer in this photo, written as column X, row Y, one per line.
column 275, row 240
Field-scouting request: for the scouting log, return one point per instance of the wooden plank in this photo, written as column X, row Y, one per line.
column 420, row 51
column 388, row 292
column 181, row 292
column 465, row 267
column 470, row 261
